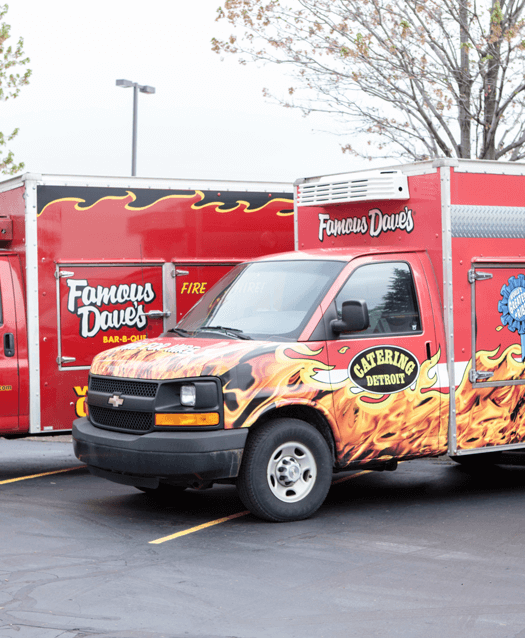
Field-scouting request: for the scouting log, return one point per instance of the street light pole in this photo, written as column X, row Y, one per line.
column 134, row 136
column 136, row 88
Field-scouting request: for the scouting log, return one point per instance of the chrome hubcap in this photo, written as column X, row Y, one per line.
column 291, row 472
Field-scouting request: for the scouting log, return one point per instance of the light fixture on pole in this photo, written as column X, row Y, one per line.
column 136, row 88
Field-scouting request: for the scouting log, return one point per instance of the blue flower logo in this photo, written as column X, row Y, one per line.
column 512, row 308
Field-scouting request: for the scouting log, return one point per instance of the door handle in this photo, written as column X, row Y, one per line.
column 9, row 344
column 157, row 314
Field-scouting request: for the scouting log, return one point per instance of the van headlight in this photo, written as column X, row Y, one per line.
column 188, row 395
column 189, row 402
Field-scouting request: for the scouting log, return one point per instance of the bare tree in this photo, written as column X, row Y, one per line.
column 11, row 81
column 423, row 78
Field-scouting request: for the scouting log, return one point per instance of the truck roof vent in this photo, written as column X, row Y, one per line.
column 373, row 185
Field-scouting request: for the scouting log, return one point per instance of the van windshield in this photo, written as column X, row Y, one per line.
column 262, row 300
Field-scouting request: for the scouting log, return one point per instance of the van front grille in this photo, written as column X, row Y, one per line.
column 122, row 419
column 120, row 386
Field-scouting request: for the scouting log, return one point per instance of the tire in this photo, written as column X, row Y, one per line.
column 286, row 471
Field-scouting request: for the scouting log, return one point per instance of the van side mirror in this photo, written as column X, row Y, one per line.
column 354, row 317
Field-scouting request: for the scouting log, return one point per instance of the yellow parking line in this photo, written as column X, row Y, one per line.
column 229, row 518
column 197, row 528
column 25, row 478
column 347, row 478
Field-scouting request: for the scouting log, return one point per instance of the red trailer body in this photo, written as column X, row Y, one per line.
column 395, row 331
column 468, row 217
column 88, row 261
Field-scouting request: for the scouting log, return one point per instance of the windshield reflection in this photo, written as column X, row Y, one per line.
column 262, row 300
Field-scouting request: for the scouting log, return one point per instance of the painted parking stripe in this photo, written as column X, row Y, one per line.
column 198, row 528
column 25, row 478
column 347, row 478
column 191, row 530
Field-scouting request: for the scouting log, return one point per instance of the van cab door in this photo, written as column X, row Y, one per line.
column 382, row 376
column 9, row 374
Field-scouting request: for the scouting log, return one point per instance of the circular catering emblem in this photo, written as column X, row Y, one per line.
column 384, row 369
column 512, row 308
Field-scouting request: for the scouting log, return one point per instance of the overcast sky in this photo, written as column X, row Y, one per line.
column 208, row 118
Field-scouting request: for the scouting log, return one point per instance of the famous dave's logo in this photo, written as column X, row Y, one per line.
column 512, row 308
column 376, row 224
column 384, row 370
column 93, row 306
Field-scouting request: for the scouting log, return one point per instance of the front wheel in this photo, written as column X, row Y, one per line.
column 286, row 471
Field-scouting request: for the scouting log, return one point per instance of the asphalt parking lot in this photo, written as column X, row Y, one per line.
column 429, row 550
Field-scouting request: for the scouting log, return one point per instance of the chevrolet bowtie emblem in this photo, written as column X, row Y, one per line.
column 115, row 401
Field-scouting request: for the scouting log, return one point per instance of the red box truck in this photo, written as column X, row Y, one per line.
column 395, row 331
column 87, row 262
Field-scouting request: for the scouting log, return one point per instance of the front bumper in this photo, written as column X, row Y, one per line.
column 183, row 458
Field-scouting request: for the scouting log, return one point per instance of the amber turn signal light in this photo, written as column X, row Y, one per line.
column 207, row 418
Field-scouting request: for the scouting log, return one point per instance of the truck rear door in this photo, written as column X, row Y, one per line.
column 383, row 376
column 106, row 305
column 491, row 403
column 9, row 374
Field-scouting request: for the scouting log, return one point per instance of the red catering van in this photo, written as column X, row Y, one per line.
column 394, row 331
column 91, row 262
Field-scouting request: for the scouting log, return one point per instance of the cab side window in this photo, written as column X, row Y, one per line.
column 389, row 291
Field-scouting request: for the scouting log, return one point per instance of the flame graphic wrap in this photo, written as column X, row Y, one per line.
column 284, row 376
column 403, row 424
column 494, row 415
column 163, row 359
column 258, row 377
column 408, row 423
column 134, row 201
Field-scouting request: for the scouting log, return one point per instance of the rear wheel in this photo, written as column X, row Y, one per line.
column 286, row 471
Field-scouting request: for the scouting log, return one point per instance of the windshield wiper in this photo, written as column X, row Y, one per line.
column 181, row 332
column 233, row 332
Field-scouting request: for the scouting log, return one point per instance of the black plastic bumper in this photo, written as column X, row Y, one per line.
column 144, row 460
